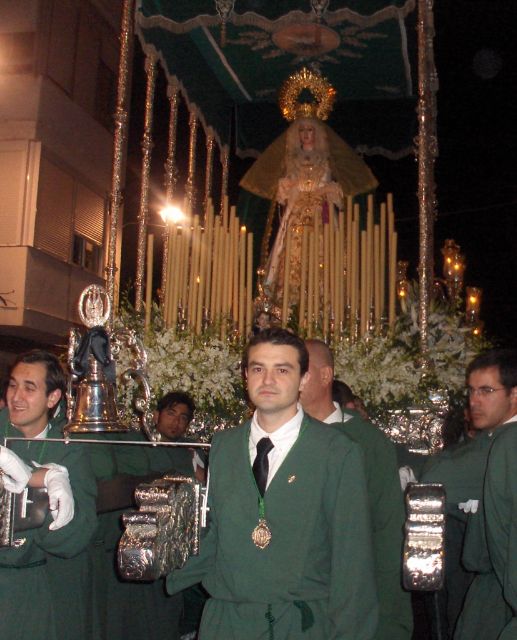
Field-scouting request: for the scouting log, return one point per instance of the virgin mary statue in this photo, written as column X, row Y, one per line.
column 307, row 173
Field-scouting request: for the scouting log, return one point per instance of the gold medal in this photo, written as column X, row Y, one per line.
column 261, row 535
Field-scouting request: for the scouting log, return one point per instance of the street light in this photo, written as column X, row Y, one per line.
column 171, row 214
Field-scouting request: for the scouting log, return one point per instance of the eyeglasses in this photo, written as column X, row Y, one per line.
column 483, row 392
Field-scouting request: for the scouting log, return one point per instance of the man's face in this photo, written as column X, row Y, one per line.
column 320, row 376
column 489, row 410
column 27, row 398
column 274, row 380
column 172, row 422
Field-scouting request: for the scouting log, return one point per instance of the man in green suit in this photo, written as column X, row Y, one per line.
column 174, row 413
column 386, row 499
column 145, row 609
column 500, row 495
column 45, row 581
column 490, row 603
column 492, row 391
column 288, row 553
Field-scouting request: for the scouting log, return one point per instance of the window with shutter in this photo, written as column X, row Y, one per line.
column 54, row 216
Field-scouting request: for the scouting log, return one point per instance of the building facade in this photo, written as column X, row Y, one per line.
column 58, row 71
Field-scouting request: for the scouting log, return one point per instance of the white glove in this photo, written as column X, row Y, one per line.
column 471, row 506
column 406, row 476
column 16, row 474
column 60, row 496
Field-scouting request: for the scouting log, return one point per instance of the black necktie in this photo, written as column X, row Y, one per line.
column 261, row 464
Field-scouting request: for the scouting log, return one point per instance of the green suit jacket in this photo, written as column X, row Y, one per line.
column 462, row 470
column 388, row 516
column 38, row 599
column 500, row 494
column 315, row 580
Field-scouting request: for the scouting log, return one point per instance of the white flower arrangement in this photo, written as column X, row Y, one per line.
column 376, row 370
column 208, row 369
column 384, row 370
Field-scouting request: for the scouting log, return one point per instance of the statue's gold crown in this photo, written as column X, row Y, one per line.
column 323, row 92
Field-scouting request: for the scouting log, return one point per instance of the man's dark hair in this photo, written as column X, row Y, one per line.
column 173, row 398
column 279, row 336
column 504, row 359
column 54, row 377
column 341, row 393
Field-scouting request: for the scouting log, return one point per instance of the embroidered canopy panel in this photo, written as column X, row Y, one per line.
column 231, row 75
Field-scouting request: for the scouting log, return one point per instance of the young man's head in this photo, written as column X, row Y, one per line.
column 275, row 363
column 316, row 397
column 263, row 320
column 36, row 384
column 173, row 414
column 492, row 388
column 342, row 394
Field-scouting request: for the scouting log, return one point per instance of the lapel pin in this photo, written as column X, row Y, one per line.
column 291, row 479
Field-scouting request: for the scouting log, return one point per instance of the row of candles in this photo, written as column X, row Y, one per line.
column 453, row 270
column 209, row 273
column 348, row 274
column 453, row 274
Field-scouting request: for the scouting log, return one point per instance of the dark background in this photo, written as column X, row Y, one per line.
column 476, row 171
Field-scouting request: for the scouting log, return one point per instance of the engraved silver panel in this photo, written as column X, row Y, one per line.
column 423, row 559
column 164, row 532
column 6, row 513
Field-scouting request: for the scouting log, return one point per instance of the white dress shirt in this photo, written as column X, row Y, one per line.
column 42, row 434
column 283, row 439
column 338, row 415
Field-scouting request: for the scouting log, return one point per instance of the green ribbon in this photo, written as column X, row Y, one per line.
column 261, row 505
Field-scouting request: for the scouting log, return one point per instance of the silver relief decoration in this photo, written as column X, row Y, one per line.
column 423, row 558
column 20, row 512
column 419, row 428
column 89, row 397
column 319, row 7
column 137, row 371
column 94, row 306
column 5, row 515
column 164, row 532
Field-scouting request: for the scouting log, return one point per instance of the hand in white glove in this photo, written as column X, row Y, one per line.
column 60, row 496
column 406, row 476
column 16, row 474
column 471, row 506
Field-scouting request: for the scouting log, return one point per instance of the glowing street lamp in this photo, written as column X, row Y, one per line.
column 172, row 215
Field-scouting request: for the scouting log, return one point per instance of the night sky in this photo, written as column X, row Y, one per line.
column 476, row 171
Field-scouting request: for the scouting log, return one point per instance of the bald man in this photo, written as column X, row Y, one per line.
column 386, row 499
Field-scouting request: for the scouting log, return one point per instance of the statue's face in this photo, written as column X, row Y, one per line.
column 307, row 134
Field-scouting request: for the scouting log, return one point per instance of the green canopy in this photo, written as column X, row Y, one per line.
column 360, row 46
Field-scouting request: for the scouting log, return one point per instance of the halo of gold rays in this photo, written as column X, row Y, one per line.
column 323, row 92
